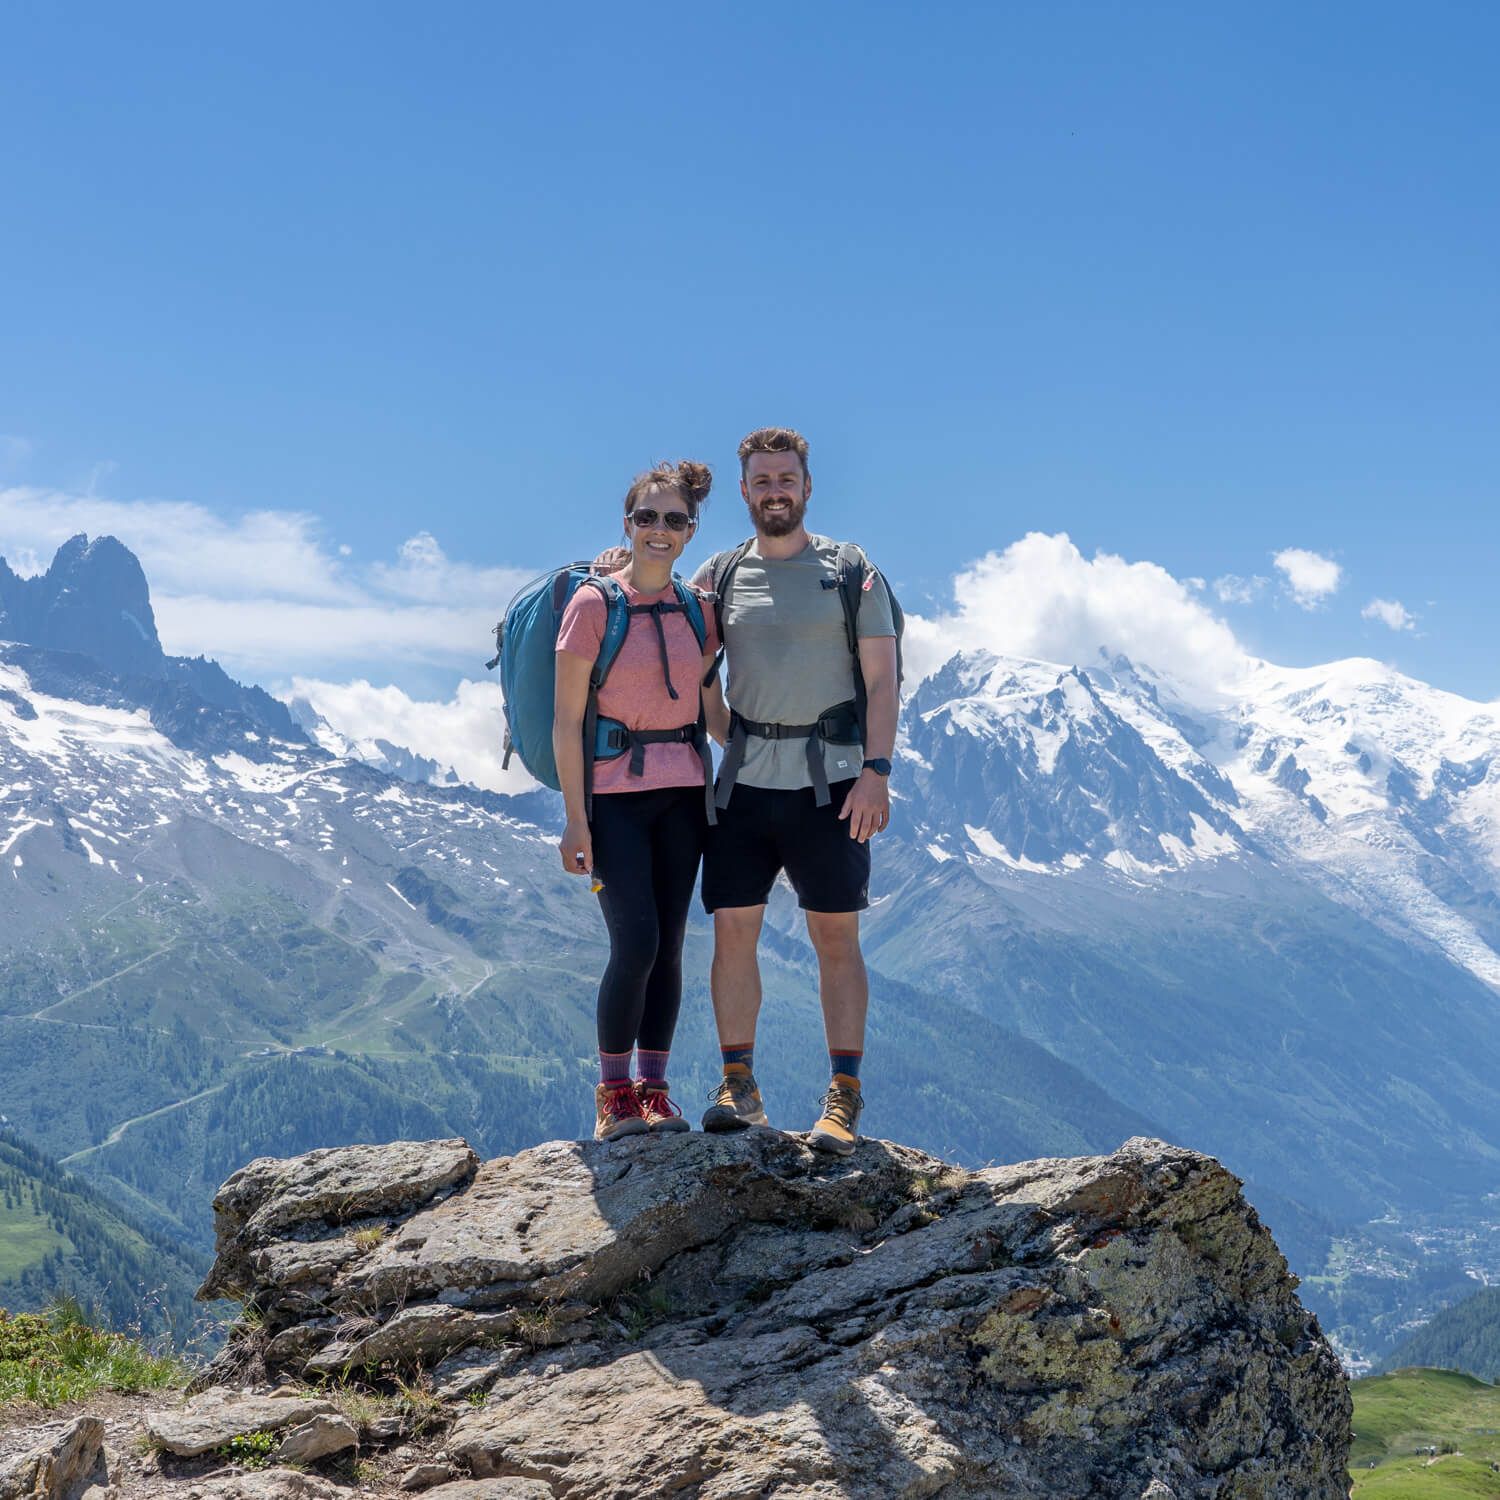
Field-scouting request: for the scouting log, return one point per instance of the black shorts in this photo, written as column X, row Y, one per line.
column 764, row 831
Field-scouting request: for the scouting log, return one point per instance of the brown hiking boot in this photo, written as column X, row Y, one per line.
column 736, row 1101
column 835, row 1130
column 619, row 1112
column 657, row 1107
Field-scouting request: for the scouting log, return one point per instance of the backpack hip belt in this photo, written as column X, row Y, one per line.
column 612, row 739
column 838, row 725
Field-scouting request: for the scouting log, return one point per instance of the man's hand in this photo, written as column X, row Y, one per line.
column 868, row 806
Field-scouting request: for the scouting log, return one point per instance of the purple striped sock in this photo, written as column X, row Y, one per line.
column 742, row 1053
column 614, row 1067
column 651, row 1067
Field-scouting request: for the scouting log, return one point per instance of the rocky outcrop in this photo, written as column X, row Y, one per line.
column 737, row 1316
column 64, row 1463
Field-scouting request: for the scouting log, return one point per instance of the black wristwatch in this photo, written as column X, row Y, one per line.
column 879, row 765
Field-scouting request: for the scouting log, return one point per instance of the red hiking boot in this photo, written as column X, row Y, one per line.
column 619, row 1111
column 656, row 1105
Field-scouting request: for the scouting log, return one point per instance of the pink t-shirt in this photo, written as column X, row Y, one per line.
column 635, row 692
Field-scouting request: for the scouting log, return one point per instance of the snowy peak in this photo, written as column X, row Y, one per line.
column 1386, row 789
column 1365, row 734
column 382, row 754
column 1383, row 791
column 1042, row 771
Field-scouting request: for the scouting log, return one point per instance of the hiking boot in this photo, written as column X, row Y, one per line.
column 736, row 1101
column 658, row 1109
column 619, row 1112
column 835, row 1130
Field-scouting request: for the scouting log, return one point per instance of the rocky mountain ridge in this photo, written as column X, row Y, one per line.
column 92, row 609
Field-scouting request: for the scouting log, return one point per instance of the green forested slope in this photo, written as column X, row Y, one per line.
column 59, row 1237
column 1464, row 1337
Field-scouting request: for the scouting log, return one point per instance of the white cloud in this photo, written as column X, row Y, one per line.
column 267, row 593
column 1232, row 589
column 1310, row 577
column 465, row 732
column 1390, row 612
column 423, row 572
column 185, row 548
column 1041, row 597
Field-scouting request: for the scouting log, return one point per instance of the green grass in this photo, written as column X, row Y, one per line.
column 26, row 1239
column 1397, row 1414
column 53, row 1358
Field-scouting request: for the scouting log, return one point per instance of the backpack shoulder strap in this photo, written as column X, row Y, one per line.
column 692, row 606
column 850, row 568
column 721, row 570
column 616, row 623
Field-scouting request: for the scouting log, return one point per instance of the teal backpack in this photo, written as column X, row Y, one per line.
column 525, row 652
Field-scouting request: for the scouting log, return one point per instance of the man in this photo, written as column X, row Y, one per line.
column 804, row 784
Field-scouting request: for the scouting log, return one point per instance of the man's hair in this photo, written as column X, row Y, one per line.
column 773, row 440
column 691, row 480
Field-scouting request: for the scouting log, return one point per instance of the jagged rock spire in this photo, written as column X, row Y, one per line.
column 93, row 600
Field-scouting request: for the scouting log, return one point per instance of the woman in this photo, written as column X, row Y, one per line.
column 636, row 820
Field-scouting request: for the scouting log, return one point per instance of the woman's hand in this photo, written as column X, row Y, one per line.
column 577, row 848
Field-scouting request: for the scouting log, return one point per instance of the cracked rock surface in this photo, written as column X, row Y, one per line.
column 738, row 1316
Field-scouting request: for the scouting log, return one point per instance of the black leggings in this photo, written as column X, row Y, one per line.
column 646, row 851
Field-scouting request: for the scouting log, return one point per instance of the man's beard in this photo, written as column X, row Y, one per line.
column 780, row 523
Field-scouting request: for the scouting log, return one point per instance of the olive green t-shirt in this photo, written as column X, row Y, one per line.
column 788, row 658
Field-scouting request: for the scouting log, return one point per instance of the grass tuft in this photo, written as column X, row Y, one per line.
column 53, row 1358
column 536, row 1327
column 422, row 1405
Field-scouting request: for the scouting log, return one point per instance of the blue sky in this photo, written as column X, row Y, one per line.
column 1193, row 284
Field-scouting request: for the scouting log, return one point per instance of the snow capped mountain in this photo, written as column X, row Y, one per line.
column 1033, row 766
column 102, row 780
column 1385, row 787
column 1381, row 789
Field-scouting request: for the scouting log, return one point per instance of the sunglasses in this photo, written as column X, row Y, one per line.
column 645, row 518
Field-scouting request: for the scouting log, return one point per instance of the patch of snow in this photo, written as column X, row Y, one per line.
column 991, row 848
column 16, row 834
column 1208, row 842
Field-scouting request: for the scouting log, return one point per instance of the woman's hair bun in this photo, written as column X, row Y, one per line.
column 695, row 479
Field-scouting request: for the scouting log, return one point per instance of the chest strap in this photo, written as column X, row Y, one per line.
column 656, row 611
column 838, row 725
